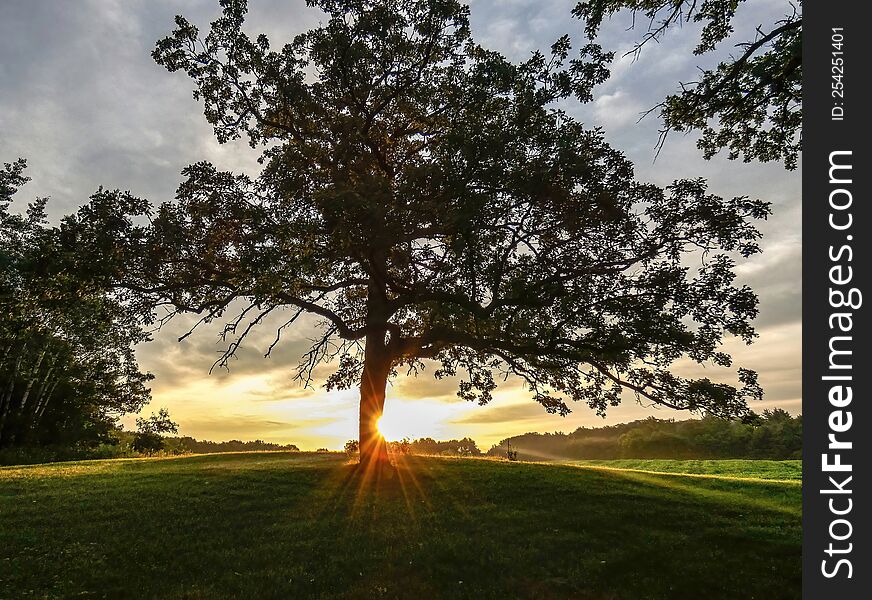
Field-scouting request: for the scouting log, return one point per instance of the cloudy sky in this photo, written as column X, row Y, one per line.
column 82, row 100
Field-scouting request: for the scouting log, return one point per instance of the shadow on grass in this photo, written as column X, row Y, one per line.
column 726, row 495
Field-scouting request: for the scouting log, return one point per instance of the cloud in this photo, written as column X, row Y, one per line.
column 240, row 425
column 617, row 109
column 777, row 276
column 504, row 414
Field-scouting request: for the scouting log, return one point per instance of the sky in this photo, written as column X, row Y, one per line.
column 82, row 100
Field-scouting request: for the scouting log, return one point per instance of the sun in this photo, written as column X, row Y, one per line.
column 390, row 430
column 411, row 420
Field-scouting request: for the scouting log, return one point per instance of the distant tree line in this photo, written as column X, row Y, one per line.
column 139, row 440
column 462, row 447
column 189, row 444
column 426, row 446
column 774, row 435
column 118, row 443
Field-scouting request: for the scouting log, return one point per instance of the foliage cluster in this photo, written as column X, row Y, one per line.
column 775, row 435
column 149, row 432
column 403, row 446
column 67, row 367
column 751, row 103
column 352, row 447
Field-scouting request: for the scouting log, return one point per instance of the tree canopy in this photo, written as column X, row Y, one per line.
column 751, row 103
column 149, row 431
column 428, row 200
column 67, row 365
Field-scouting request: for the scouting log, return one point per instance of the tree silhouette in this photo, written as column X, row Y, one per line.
column 426, row 199
column 67, row 365
column 149, row 431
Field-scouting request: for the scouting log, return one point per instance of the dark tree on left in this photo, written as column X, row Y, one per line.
column 67, row 364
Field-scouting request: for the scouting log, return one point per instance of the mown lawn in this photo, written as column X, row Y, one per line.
column 282, row 525
column 785, row 470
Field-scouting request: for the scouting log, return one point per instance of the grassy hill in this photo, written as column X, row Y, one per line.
column 774, row 470
column 300, row 525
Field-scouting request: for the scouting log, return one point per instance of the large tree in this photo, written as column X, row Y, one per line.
column 749, row 104
column 427, row 201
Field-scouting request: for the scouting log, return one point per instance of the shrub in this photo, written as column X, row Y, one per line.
column 148, row 438
column 404, row 446
column 146, row 442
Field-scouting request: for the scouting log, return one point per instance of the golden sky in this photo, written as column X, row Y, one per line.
column 257, row 398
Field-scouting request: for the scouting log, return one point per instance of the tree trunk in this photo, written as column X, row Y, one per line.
column 34, row 373
column 41, row 409
column 6, row 352
column 41, row 394
column 6, row 399
column 376, row 368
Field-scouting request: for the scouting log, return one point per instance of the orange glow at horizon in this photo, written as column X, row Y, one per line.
column 257, row 401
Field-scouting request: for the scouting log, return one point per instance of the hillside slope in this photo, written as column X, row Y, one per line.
column 298, row 525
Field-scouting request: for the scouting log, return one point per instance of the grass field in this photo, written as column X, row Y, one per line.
column 277, row 525
column 776, row 470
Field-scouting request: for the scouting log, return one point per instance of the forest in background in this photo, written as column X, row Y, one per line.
column 774, row 435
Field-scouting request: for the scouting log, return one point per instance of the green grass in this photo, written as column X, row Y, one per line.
column 277, row 525
column 777, row 470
